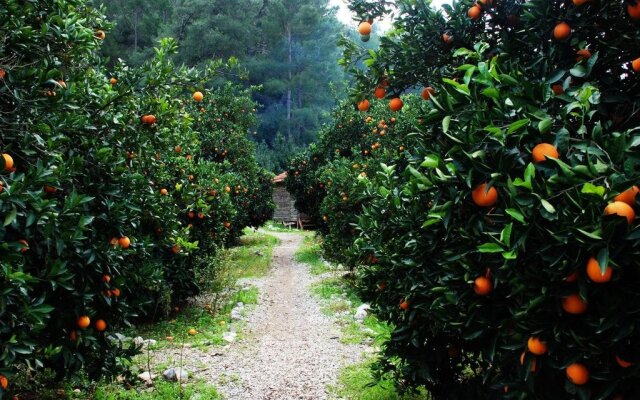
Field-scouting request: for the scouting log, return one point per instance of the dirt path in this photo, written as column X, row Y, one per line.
column 290, row 349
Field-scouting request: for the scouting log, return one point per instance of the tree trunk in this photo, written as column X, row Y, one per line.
column 290, row 82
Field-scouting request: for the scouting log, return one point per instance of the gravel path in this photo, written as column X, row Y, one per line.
column 290, row 349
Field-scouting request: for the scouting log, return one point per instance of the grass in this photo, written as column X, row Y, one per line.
column 309, row 253
column 253, row 257
column 356, row 382
column 162, row 390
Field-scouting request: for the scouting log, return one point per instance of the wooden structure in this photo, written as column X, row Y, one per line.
column 286, row 211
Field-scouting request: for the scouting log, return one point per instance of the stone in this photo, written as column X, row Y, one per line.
column 229, row 337
column 175, row 374
column 146, row 377
column 361, row 312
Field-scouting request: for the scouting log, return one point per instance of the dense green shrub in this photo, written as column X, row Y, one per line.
column 103, row 215
column 467, row 286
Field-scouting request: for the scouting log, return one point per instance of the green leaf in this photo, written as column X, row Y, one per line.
column 517, row 125
column 515, row 214
column 11, row 216
column 505, row 235
column 491, row 92
column 490, row 248
column 547, row 206
column 603, row 259
column 545, row 125
column 589, row 188
column 445, row 123
column 430, row 161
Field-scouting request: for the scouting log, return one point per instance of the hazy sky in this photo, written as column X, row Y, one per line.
column 345, row 15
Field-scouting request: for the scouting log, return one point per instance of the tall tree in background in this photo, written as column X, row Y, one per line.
column 288, row 46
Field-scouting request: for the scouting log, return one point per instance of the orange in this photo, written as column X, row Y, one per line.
column 100, row 34
column 580, row 2
column 404, row 305
column 483, row 197
column 213, row 192
column 634, row 11
column 396, row 104
column 200, row 215
column 73, row 336
column 113, row 81
column 533, row 362
column 164, row 191
column 474, row 12
column 448, row 39
column 115, row 292
column 49, row 189
column 364, row 28
column 543, row 150
column 3, row 74
column 227, row 189
column 557, row 89
column 572, row 277
column 380, row 92
column 583, row 54
column 595, row 274
column 149, row 119
column 8, row 161
column 124, row 242
column 628, row 196
column 4, row 382
column 106, row 278
column 635, row 64
column 562, row 31
column 622, row 209
column 191, row 214
column 227, row 225
column 113, row 242
column 482, row 286
column 175, row 249
column 363, row 105
column 623, row 363
column 536, row 346
column 573, row 304
column 428, row 92
column 178, row 149
column 192, row 332
column 84, row 322
column 26, row 245
column 578, row 374
column 101, row 325
column 198, row 96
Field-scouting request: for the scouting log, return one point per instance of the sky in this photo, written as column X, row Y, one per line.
column 345, row 16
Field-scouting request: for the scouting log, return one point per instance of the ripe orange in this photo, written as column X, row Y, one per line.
column 595, row 274
column 428, row 92
column 113, row 81
column 583, row 54
column 364, row 28
column 3, row 74
column 73, row 336
column 543, row 150
column 200, row 215
column 573, row 304
column 49, row 189
column 482, row 286
column 622, row 209
column 580, row 2
column 106, row 278
column 178, row 149
column 4, row 382
column 198, row 96
column 536, row 346
column 396, row 104
column 192, row 332
column 227, row 225
column 634, row 11
column 380, row 92
column 164, row 191
column 115, row 292
column 100, row 34
column 623, row 363
column 628, row 196
column 101, row 325
column 124, row 242
column 113, row 242
column 572, row 277
column 562, row 31
column 533, row 362
column 84, row 322
column 149, row 119
column 363, row 105
column 175, row 249
column 557, row 89
column 448, row 39
column 635, row 64
column 483, row 197
column 474, row 12
column 578, row 374
column 404, row 304
column 228, row 189
column 8, row 162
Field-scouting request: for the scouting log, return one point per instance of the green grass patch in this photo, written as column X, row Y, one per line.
column 252, row 258
column 309, row 253
column 162, row 390
column 356, row 382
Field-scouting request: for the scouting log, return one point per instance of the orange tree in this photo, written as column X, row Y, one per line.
column 506, row 251
column 108, row 202
column 327, row 179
